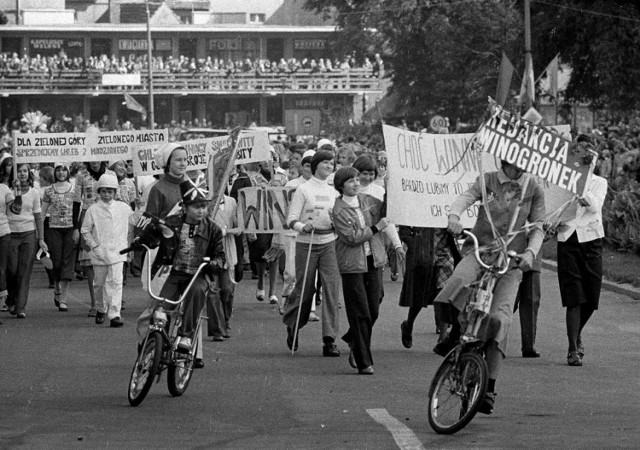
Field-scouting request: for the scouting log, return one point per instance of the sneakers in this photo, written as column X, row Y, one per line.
column 486, row 405
column 116, row 322
column 405, row 332
column 260, row 294
column 100, row 316
column 574, row 359
column 313, row 317
column 443, row 347
column 273, row 300
column 184, row 344
column 330, row 350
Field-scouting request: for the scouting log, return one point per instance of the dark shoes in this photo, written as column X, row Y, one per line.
column 486, row 405
column 530, row 353
column 443, row 347
column 100, row 317
column 330, row 350
column 116, row 322
column 218, row 338
column 352, row 360
column 580, row 346
column 198, row 363
column 407, row 339
column 366, row 371
column 574, row 359
column 290, row 340
column 394, row 277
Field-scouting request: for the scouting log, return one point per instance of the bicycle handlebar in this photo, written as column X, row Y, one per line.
column 507, row 255
column 205, row 262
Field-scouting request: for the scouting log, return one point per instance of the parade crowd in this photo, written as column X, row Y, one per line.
column 78, row 217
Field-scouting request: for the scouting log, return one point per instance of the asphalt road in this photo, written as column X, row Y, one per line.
column 63, row 383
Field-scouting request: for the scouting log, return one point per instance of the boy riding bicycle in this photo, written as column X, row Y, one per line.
column 184, row 240
column 508, row 192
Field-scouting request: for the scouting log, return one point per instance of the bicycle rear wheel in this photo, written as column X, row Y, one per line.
column 181, row 370
column 145, row 369
column 456, row 392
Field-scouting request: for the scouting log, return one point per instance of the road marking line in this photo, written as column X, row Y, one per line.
column 404, row 437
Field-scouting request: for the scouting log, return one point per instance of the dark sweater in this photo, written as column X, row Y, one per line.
column 164, row 195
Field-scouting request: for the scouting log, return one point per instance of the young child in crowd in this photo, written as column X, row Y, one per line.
column 184, row 240
column 105, row 231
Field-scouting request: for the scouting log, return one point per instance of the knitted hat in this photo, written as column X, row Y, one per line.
column 323, row 142
column 108, row 180
column 4, row 156
column 163, row 154
column 309, row 153
column 193, row 192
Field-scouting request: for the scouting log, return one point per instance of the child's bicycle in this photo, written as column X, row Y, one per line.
column 460, row 382
column 159, row 350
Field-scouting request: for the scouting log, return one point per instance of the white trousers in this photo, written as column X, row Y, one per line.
column 107, row 289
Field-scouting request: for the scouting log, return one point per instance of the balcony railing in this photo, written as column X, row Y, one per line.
column 164, row 82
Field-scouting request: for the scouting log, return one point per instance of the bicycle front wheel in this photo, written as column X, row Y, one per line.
column 145, row 368
column 180, row 371
column 456, row 391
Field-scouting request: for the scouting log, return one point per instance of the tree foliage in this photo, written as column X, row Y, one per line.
column 442, row 56
column 600, row 40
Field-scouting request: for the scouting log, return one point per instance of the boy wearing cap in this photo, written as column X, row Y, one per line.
column 105, row 231
column 184, row 240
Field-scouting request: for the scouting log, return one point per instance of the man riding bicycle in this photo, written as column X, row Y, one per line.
column 508, row 193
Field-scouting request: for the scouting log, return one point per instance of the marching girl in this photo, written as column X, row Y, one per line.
column 57, row 202
column 24, row 241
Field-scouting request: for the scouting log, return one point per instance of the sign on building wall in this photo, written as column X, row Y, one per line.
column 134, row 45
column 309, row 44
column 53, row 46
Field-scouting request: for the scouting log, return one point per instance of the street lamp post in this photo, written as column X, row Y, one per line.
column 150, row 69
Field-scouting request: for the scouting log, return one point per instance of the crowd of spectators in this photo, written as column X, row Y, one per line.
column 52, row 65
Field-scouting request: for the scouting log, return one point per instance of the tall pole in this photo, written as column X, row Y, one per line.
column 527, row 50
column 150, row 69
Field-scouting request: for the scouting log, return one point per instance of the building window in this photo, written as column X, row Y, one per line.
column 257, row 18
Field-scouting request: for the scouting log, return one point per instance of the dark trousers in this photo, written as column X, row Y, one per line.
column 362, row 303
column 528, row 301
column 22, row 251
column 62, row 250
column 175, row 286
column 4, row 260
column 220, row 306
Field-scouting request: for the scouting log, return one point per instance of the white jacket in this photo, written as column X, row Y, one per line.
column 587, row 222
column 105, row 230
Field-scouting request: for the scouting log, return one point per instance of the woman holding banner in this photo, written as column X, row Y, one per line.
column 361, row 257
column 24, row 241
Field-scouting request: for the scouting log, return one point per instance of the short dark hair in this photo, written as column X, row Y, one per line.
column 320, row 156
column 343, row 175
column 366, row 163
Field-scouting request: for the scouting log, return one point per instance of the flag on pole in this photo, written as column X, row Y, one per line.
column 504, row 80
column 134, row 105
column 552, row 73
column 527, row 88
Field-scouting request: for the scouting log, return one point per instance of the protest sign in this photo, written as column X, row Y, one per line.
column 264, row 209
column 81, row 147
column 427, row 172
column 536, row 149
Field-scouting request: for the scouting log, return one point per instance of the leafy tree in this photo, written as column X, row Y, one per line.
column 600, row 40
column 442, row 56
